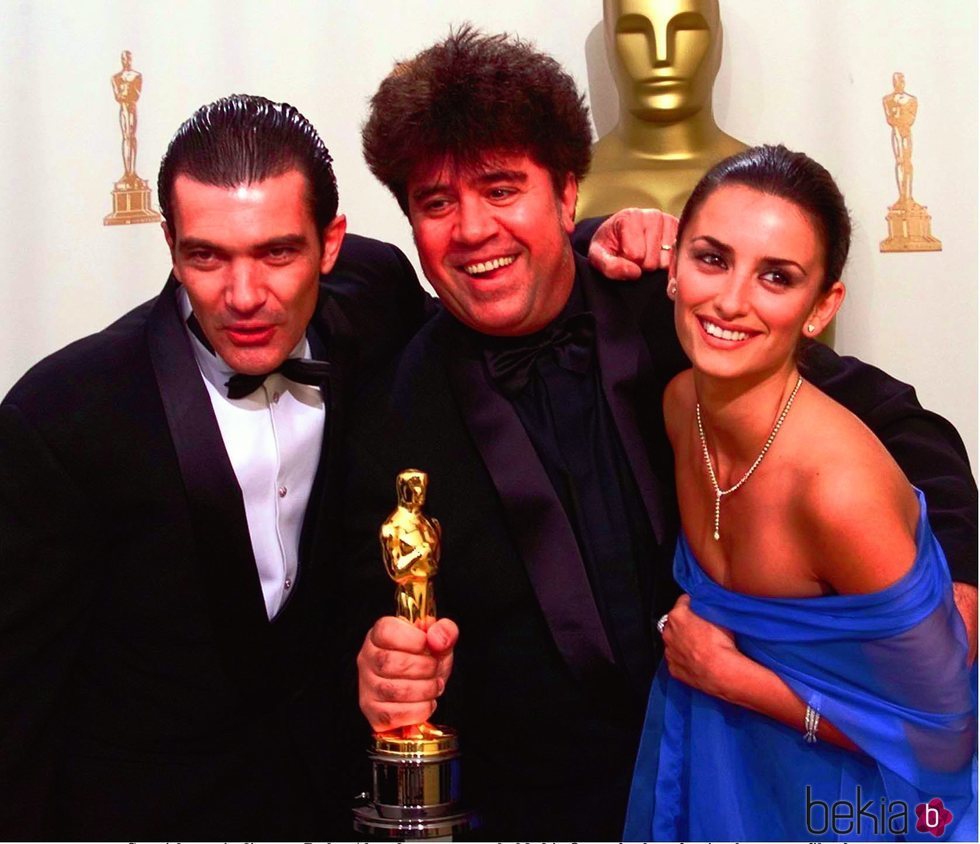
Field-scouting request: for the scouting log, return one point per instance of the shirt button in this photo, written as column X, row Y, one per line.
column 275, row 398
column 288, row 583
column 282, row 492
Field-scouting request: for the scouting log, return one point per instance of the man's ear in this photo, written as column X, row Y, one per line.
column 825, row 309
column 566, row 203
column 333, row 237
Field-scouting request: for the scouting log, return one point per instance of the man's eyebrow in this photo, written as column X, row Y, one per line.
column 501, row 176
column 485, row 178
column 424, row 193
column 290, row 239
column 186, row 244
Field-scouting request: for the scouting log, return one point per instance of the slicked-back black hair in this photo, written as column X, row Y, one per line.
column 793, row 176
column 472, row 96
column 244, row 139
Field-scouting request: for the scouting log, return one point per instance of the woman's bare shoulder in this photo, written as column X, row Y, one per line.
column 856, row 508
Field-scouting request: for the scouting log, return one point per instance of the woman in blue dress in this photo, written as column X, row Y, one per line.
column 814, row 685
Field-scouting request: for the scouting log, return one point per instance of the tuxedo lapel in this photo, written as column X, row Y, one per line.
column 625, row 367
column 218, row 513
column 331, row 340
column 534, row 514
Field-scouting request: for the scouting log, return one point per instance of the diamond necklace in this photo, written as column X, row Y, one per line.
column 719, row 492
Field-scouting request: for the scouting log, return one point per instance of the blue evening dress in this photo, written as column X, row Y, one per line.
column 886, row 668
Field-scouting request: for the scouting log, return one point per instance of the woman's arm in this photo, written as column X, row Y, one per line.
column 704, row 656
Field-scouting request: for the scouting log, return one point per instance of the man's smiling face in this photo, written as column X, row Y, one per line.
column 493, row 241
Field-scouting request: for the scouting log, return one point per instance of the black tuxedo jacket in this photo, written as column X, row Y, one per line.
column 144, row 694
column 548, row 720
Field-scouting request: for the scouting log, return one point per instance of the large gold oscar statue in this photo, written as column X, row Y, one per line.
column 131, row 195
column 664, row 55
column 909, row 223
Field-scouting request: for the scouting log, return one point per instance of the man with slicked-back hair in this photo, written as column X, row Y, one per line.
column 163, row 535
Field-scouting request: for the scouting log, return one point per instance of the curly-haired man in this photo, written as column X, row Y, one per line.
column 533, row 402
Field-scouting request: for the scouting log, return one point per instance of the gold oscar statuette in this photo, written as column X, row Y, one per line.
column 416, row 778
column 909, row 224
column 664, row 55
column 131, row 195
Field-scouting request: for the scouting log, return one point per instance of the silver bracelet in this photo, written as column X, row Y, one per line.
column 810, row 723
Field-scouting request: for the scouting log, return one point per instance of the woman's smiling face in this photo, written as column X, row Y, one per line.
column 749, row 271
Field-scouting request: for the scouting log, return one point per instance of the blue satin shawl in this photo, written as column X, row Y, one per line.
column 886, row 668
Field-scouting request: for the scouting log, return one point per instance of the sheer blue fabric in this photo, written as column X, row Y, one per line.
column 887, row 668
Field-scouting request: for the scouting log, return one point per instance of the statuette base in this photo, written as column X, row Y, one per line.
column 416, row 789
column 910, row 230
column 131, row 203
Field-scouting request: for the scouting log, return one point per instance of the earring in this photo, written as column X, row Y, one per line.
column 672, row 288
column 811, row 328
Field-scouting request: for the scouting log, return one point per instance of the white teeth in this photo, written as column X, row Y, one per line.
column 486, row 266
column 723, row 333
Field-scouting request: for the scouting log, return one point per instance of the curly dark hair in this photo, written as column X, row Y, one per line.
column 470, row 97
column 793, row 176
column 245, row 138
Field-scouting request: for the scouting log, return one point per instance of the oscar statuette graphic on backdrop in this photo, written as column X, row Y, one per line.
column 415, row 769
column 909, row 223
column 131, row 201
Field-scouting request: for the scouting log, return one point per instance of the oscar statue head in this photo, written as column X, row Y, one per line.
column 411, row 485
column 664, row 55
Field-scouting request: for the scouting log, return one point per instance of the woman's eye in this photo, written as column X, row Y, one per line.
column 712, row 259
column 777, row 277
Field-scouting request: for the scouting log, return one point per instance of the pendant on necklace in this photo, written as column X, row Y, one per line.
column 717, row 514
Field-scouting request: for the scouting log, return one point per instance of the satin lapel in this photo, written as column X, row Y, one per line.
column 537, row 522
column 624, row 364
column 217, row 510
column 330, row 341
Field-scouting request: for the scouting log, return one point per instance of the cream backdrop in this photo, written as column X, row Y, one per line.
column 810, row 73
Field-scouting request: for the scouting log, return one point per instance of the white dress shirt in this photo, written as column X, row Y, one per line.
column 273, row 438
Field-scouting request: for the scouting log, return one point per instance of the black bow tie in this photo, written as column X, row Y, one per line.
column 316, row 373
column 570, row 340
